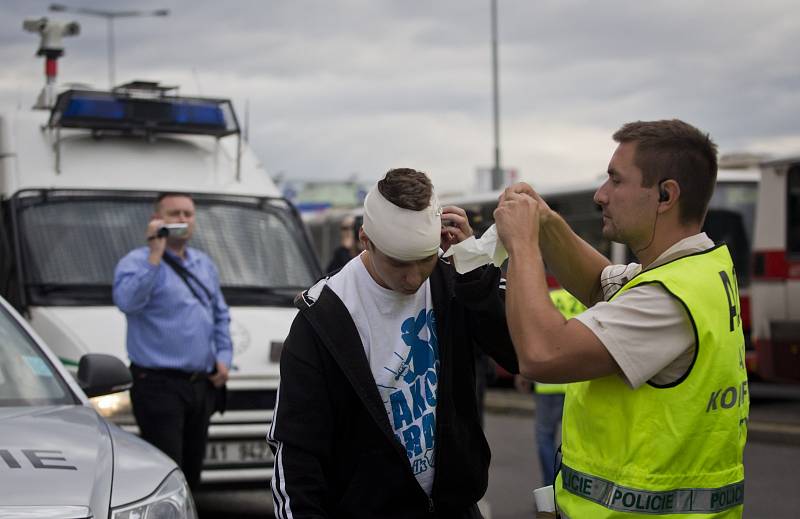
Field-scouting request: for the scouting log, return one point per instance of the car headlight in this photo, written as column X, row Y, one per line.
column 172, row 500
column 114, row 406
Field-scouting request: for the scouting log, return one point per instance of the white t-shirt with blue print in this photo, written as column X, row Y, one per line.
column 398, row 332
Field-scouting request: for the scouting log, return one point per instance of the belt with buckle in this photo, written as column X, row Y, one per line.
column 191, row 376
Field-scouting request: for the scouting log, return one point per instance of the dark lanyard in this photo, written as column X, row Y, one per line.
column 185, row 274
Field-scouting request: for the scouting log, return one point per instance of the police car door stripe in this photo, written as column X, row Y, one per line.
column 624, row 499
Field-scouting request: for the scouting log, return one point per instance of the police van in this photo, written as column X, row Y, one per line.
column 78, row 176
column 58, row 458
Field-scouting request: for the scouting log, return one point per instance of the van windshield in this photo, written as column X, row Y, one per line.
column 71, row 242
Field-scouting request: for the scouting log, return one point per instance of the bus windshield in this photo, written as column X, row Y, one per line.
column 70, row 243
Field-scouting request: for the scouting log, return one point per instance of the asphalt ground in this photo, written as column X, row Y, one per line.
column 774, row 410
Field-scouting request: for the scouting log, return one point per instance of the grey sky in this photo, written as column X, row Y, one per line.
column 360, row 86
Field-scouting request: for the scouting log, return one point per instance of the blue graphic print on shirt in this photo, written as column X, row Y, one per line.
column 413, row 399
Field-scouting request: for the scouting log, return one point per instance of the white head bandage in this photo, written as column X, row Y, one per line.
column 399, row 233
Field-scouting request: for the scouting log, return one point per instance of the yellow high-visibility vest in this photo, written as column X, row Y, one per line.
column 569, row 306
column 673, row 450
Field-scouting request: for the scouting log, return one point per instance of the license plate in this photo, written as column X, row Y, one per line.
column 237, row 452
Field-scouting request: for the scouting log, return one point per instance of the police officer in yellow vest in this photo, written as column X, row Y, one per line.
column 657, row 419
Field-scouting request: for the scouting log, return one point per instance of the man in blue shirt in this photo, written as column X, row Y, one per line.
column 178, row 335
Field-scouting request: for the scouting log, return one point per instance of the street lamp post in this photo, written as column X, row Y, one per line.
column 109, row 16
column 497, row 172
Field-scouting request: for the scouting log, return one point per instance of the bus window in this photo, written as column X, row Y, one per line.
column 730, row 219
column 793, row 212
column 740, row 197
column 583, row 215
column 725, row 225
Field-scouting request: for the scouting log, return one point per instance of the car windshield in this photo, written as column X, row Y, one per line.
column 26, row 376
column 71, row 243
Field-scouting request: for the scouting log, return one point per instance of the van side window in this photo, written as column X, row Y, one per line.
column 793, row 211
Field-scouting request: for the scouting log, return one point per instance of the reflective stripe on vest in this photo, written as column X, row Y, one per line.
column 678, row 501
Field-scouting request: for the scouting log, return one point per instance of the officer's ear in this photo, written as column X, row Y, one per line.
column 669, row 191
column 663, row 196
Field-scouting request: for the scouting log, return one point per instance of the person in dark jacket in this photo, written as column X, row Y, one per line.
column 348, row 245
column 376, row 414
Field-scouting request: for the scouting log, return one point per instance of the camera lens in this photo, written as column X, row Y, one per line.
column 162, row 232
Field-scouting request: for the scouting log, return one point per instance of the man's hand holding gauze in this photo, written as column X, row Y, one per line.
column 473, row 253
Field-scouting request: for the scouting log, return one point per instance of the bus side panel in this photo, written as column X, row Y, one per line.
column 776, row 274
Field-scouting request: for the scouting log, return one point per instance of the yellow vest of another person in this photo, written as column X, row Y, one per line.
column 673, row 450
column 569, row 306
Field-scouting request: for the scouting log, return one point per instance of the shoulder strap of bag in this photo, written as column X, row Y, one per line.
column 185, row 274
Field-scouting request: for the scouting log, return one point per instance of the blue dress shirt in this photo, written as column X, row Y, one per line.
column 168, row 327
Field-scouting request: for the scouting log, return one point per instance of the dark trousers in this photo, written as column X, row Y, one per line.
column 173, row 413
column 549, row 408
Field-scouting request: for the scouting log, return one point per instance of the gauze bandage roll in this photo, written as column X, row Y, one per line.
column 402, row 234
column 473, row 253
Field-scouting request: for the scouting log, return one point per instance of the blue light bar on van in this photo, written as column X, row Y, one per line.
column 185, row 113
column 126, row 113
column 94, row 108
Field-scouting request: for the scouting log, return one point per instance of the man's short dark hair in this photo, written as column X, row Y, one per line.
column 673, row 149
column 407, row 188
column 167, row 194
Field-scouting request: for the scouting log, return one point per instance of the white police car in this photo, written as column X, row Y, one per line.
column 58, row 458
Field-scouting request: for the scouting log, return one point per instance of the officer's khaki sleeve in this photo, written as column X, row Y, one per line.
column 647, row 332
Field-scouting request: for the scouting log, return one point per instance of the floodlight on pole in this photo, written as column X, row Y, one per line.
column 109, row 16
column 51, row 47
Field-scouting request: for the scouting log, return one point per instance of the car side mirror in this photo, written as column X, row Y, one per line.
column 101, row 374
